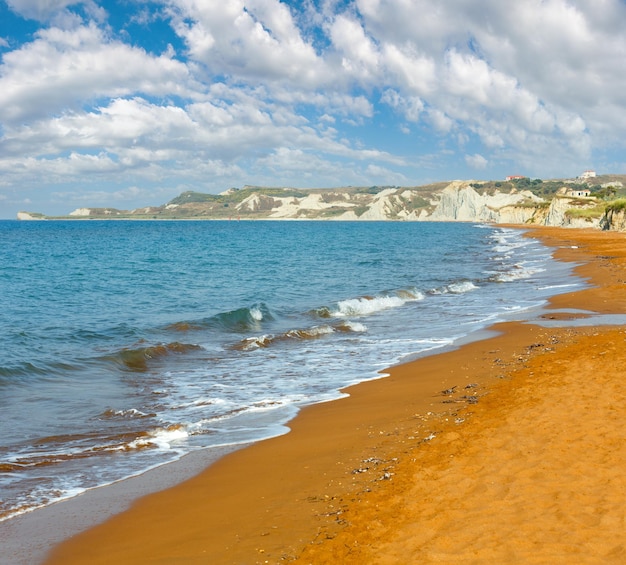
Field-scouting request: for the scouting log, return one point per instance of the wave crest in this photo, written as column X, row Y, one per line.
column 461, row 287
column 367, row 305
column 129, row 414
column 458, row 287
column 315, row 332
column 138, row 359
column 161, row 438
column 82, row 446
column 238, row 320
column 515, row 273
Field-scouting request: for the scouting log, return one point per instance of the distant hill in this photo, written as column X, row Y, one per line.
column 520, row 200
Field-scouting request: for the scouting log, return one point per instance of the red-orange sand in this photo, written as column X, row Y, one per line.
column 522, row 460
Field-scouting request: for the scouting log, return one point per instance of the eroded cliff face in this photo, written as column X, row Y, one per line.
column 559, row 213
column 27, row 216
column 614, row 221
column 458, row 202
column 462, row 203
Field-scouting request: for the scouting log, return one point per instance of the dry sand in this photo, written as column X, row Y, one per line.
column 523, row 460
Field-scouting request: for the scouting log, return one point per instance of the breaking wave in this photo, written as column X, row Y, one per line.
column 62, row 448
column 129, row 414
column 515, row 273
column 238, row 320
column 459, row 287
column 138, row 359
column 315, row 332
column 368, row 305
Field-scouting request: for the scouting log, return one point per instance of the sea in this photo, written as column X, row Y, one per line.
column 125, row 345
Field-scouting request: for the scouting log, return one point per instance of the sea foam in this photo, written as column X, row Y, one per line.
column 365, row 306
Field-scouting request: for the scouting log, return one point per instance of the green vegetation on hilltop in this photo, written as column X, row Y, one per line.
column 373, row 189
column 234, row 195
column 539, row 187
column 190, row 197
column 602, row 187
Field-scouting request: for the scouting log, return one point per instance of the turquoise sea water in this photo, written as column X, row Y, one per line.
column 124, row 345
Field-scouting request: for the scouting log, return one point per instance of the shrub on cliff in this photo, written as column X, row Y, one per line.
column 616, row 205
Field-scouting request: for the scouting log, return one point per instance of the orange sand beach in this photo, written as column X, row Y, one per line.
column 506, row 450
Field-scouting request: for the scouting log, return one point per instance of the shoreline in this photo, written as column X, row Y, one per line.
column 300, row 494
column 51, row 525
column 54, row 524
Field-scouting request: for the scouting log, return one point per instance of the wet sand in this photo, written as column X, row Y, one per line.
column 507, row 450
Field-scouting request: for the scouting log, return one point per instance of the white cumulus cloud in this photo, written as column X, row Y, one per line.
column 476, row 161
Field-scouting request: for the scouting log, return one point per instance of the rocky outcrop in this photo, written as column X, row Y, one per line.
column 388, row 204
column 460, row 202
column 84, row 212
column 614, row 220
column 312, row 206
column 258, row 203
column 560, row 213
column 27, row 216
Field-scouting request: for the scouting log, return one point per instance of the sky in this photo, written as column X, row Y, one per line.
column 128, row 103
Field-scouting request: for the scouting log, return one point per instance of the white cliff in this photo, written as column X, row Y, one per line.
column 460, row 202
column 560, row 212
column 81, row 212
column 28, row 216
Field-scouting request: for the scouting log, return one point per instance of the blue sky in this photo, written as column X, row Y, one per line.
column 127, row 103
